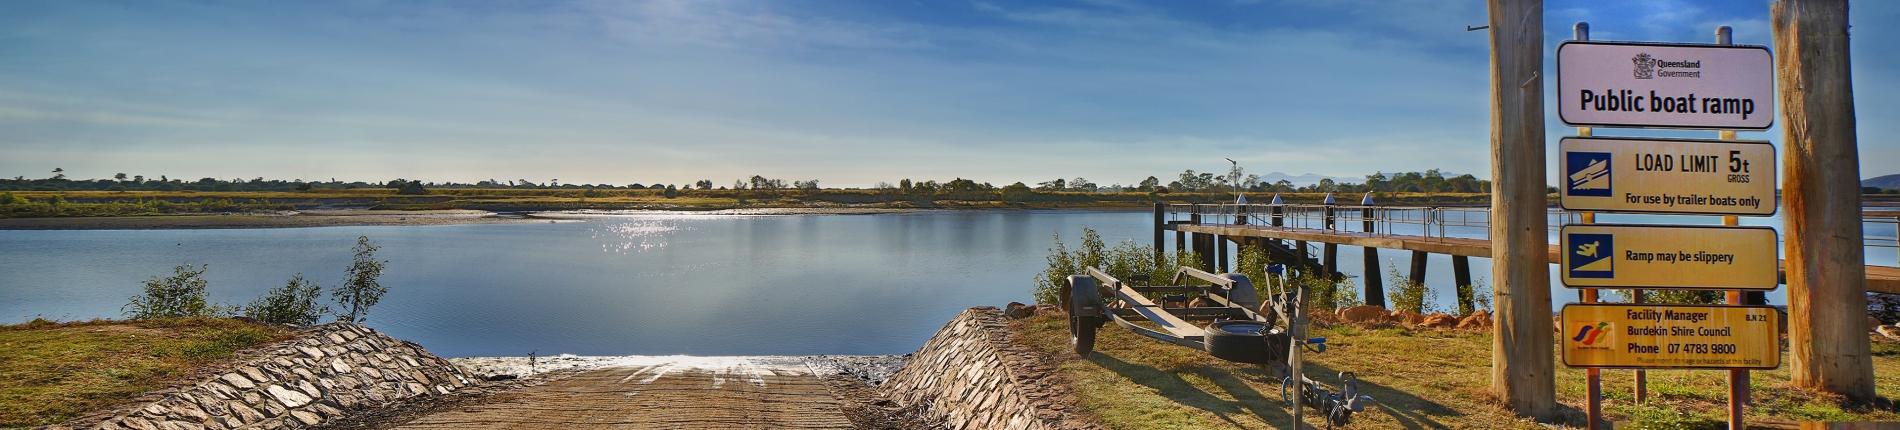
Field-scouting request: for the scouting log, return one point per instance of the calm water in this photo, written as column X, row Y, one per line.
column 661, row 284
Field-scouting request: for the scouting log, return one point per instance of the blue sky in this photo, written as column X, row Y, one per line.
column 850, row 93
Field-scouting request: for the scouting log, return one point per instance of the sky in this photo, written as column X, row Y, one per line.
column 847, row 92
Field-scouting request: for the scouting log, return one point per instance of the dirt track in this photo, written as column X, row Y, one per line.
column 657, row 397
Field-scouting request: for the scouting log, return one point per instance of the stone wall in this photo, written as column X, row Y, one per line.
column 971, row 377
column 324, row 373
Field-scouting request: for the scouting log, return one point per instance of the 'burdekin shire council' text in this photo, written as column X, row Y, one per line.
column 1620, row 100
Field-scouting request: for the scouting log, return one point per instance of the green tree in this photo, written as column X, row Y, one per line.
column 180, row 295
column 295, row 303
column 1017, row 193
column 360, row 288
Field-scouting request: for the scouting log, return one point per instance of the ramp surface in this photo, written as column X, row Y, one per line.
column 728, row 394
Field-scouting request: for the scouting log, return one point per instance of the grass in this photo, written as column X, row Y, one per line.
column 1418, row 378
column 146, row 203
column 54, row 372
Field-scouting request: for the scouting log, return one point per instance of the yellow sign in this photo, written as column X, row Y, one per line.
column 1680, row 336
column 1668, row 176
column 1653, row 256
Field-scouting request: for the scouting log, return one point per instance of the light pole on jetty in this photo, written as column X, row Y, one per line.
column 1827, row 282
column 1522, row 367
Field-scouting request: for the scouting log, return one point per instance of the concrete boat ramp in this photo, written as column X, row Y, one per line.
column 674, row 392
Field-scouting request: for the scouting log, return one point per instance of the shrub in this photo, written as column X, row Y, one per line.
column 1049, row 283
column 1128, row 261
column 1252, row 261
column 1473, row 298
column 1409, row 294
column 1325, row 294
column 295, row 303
column 179, row 295
column 1686, row 297
column 360, row 289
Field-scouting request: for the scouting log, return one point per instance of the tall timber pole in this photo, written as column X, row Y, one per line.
column 1827, row 282
column 1522, row 367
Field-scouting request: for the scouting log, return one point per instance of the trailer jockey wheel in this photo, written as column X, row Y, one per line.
column 1085, row 314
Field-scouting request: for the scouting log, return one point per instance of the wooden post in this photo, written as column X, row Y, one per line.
column 1827, row 279
column 1161, row 221
column 1418, row 266
column 1375, row 281
column 1737, row 378
column 1329, row 260
column 1461, row 275
column 1522, row 366
column 1220, row 245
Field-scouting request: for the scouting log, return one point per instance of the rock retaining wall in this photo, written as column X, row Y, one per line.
column 971, row 377
column 324, row 373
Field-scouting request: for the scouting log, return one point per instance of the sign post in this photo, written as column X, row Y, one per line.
column 1722, row 87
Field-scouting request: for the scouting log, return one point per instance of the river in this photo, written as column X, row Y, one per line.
column 639, row 284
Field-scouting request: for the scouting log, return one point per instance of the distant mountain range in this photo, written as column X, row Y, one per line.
column 1890, row 182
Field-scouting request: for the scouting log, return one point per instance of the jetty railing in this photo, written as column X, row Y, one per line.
column 1427, row 221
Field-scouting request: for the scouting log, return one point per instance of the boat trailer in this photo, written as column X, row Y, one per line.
column 1239, row 327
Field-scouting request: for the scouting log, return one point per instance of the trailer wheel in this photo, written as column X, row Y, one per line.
column 1082, row 335
column 1240, row 341
column 1085, row 314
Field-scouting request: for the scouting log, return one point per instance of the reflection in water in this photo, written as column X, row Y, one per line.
column 635, row 236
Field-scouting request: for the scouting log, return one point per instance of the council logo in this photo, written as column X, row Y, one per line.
column 1589, row 174
column 1590, row 255
column 1645, row 66
column 1590, row 334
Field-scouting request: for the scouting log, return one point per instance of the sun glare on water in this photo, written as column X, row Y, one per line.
column 635, row 236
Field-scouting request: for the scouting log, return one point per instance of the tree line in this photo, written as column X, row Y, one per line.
column 1429, row 181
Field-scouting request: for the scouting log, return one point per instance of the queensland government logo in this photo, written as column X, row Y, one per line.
column 1591, row 255
column 1589, row 174
column 1645, row 66
column 1589, row 334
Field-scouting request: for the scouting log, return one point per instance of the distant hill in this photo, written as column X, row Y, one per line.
column 1890, row 182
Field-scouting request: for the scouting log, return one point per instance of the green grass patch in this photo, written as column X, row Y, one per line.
column 53, row 372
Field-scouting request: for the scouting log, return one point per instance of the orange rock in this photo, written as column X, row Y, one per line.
column 1363, row 314
column 1407, row 318
column 1439, row 320
column 1480, row 320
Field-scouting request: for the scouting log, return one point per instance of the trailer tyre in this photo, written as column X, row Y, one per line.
column 1085, row 314
column 1238, row 341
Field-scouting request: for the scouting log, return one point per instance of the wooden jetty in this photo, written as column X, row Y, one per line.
column 1287, row 230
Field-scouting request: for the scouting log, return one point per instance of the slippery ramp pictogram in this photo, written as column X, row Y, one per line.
column 661, row 393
